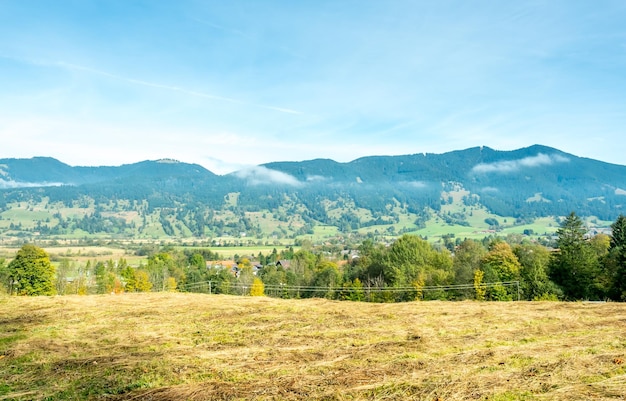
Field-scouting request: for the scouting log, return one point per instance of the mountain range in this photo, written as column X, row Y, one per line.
column 187, row 199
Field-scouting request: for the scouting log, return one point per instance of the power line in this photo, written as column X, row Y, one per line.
column 368, row 289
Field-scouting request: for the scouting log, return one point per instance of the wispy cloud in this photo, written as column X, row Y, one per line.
column 176, row 89
column 316, row 178
column 414, row 184
column 259, row 175
column 510, row 166
column 172, row 88
column 222, row 28
column 10, row 184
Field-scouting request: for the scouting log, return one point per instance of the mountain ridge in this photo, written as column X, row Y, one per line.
column 478, row 154
column 293, row 197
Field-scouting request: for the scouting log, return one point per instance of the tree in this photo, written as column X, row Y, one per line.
column 142, row 281
column 353, row 291
column 535, row 260
column 4, row 276
column 501, row 262
column 326, row 276
column 478, row 285
column 467, row 259
column 617, row 259
column 61, row 273
column 500, row 265
column 31, row 272
column 257, row 289
column 171, row 284
column 105, row 279
column 575, row 266
column 128, row 275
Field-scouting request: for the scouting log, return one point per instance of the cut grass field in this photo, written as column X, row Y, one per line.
column 172, row 346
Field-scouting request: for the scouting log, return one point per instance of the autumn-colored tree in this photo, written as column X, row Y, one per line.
column 163, row 265
column 419, row 284
column 130, row 282
column 478, row 285
column 257, row 289
column 171, row 284
column 500, row 263
column 142, row 281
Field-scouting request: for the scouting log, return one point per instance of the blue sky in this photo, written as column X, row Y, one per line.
column 228, row 84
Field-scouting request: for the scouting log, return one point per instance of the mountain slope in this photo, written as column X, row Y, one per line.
column 46, row 170
column 290, row 198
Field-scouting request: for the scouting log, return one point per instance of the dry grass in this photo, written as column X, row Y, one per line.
column 199, row 347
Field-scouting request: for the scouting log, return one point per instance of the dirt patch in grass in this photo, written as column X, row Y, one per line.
column 202, row 347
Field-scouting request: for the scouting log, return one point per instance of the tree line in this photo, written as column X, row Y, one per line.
column 410, row 268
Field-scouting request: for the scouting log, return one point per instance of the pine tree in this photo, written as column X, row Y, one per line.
column 575, row 266
column 617, row 255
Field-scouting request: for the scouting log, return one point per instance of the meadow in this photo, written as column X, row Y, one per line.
column 175, row 346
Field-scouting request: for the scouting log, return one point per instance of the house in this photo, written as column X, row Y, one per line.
column 256, row 267
column 284, row 263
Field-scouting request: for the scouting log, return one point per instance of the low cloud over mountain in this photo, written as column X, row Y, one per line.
column 511, row 166
column 259, row 175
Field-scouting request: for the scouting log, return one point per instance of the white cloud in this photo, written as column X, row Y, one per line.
column 316, row 178
column 414, row 184
column 10, row 184
column 258, row 175
column 510, row 166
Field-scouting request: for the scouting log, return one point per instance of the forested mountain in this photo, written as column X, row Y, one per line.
column 166, row 197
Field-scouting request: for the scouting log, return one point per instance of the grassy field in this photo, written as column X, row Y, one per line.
column 171, row 346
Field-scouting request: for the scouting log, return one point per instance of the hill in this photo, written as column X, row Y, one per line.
column 478, row 188
column 167, row 346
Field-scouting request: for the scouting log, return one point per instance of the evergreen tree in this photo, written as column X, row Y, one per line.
column 617, row 257
column 105, row 279
column 575, row 266
column 31, row 272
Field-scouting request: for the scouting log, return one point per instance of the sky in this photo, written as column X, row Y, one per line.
column 230, row 84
